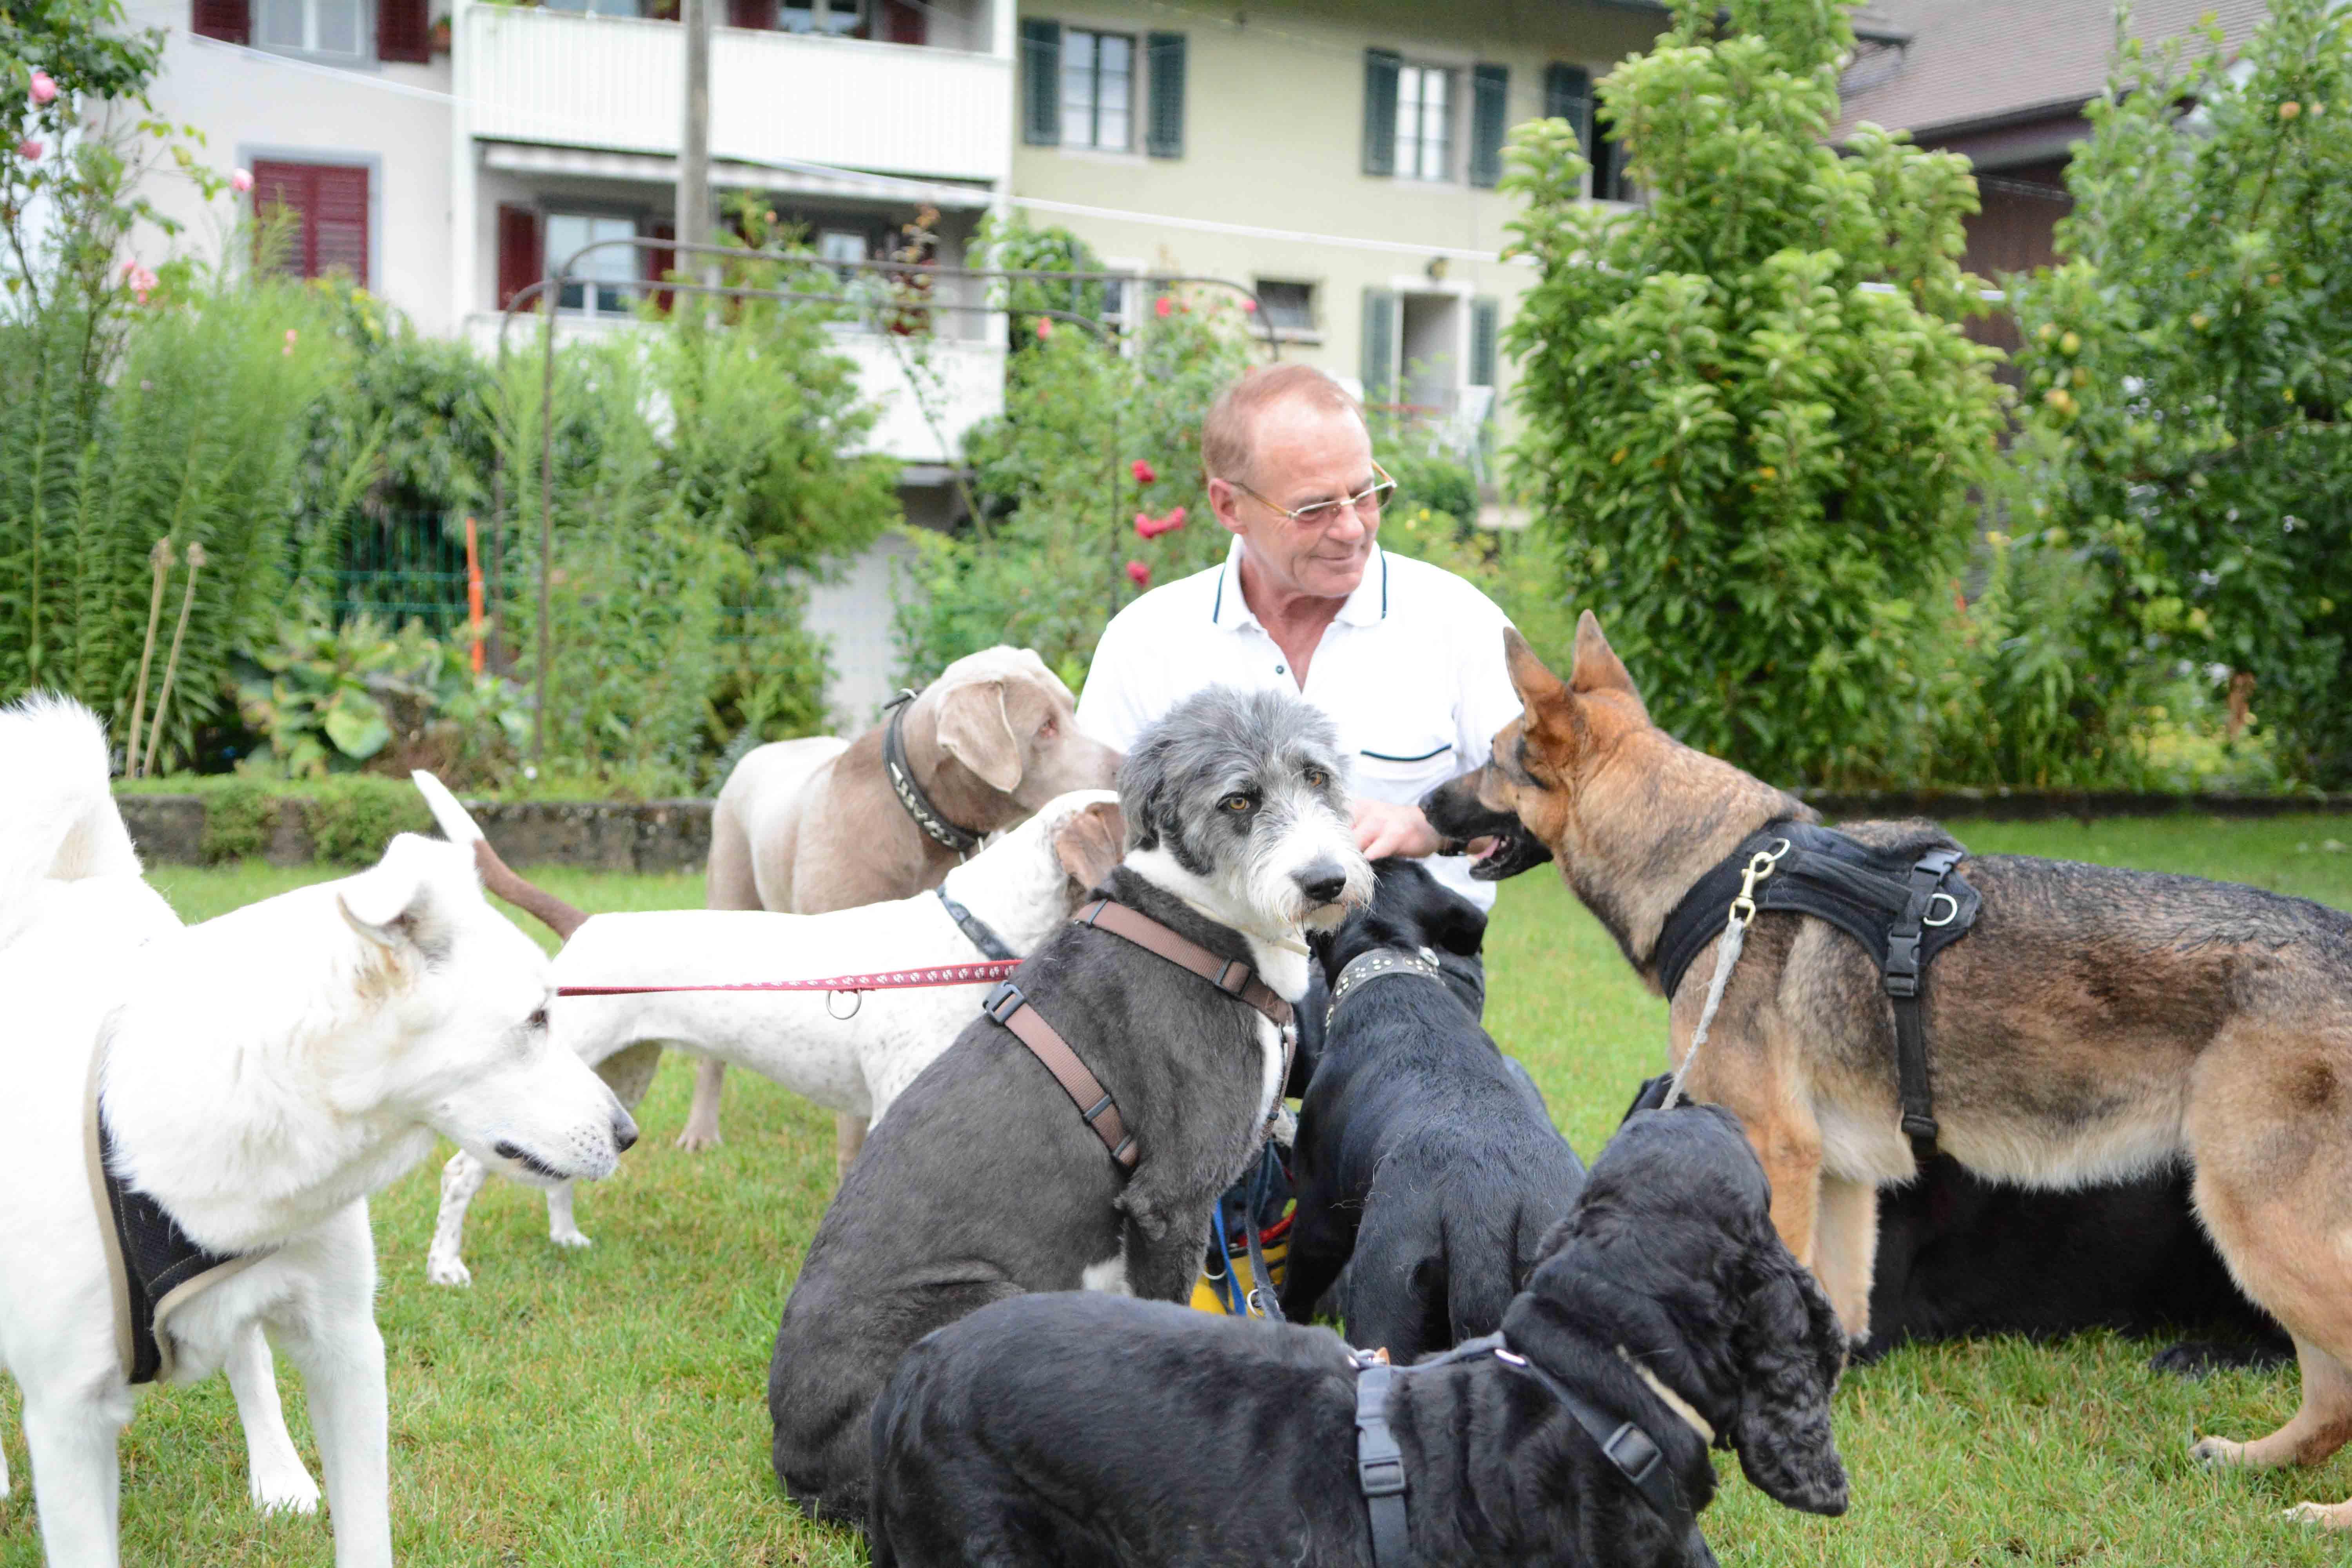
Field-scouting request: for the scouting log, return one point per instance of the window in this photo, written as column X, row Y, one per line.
column 602, row 281
column 597, row 7
column 1098, row 89
column 1424, row 108
column 840, row 245
column 1289, row 308
column 822, row 15
column 321, row 212
column 311, row 26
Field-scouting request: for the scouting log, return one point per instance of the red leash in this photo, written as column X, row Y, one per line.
column 985, row 972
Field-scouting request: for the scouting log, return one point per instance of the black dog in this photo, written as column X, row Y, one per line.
column 984, row 1182
column 1960, row 1256
column 1084, row 1429
column 1422, row 1154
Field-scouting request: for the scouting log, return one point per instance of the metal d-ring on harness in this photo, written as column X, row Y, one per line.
column 1903, row 908
column 918, row 805
column 1379, row 1459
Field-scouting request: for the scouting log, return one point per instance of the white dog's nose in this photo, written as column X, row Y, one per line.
column 625, row 1130
column 1323, row 881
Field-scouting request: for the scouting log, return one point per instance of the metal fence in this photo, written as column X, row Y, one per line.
column 408, row 565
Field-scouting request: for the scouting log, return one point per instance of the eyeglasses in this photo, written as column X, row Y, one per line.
column 1320, row 515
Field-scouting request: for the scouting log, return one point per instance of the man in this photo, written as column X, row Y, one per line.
column 1406, row 658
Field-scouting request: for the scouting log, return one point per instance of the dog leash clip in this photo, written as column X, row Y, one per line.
column 1761, row 866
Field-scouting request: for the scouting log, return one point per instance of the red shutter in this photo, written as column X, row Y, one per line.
column 403, row 31
column 229, row 20
column 902, row 22
column 759, row 14
column 330, row 229
column 339, row 223
column 660, row 264
column 520, row 264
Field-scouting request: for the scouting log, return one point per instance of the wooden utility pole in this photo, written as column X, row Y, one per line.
column 694, row 146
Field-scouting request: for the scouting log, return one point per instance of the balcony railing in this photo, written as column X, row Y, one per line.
column 616, row 82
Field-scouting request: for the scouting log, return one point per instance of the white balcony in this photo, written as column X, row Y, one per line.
column 929, row 391
column 616, row 83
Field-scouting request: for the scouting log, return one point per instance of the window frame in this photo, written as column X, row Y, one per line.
column 1308, row 331
column 1094, row 107
column 363, row 25
column 1418, row 72
column 591, row 307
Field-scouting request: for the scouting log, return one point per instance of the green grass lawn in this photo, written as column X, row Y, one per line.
column 608, row 1406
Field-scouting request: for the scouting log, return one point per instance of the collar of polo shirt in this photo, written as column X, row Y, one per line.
column 1367, row 606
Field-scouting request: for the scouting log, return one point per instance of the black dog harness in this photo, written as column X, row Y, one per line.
column 153, row 1264
column 1903, row 911
column 978, row 931
column 928, row 817
column 1380, row 1460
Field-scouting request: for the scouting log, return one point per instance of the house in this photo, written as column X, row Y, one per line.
column 445, row 162
column 1340, row 159
column 2005, row 82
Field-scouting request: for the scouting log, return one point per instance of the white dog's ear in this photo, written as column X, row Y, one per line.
column 1088, row 845
column 396, row 903
column 975, row 730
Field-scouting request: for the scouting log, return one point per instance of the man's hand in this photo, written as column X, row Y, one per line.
column 1384, row 829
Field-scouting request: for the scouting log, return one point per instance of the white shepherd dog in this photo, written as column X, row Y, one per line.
column 260, row 1075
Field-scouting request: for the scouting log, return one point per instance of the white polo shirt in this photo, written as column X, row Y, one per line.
column 1410, row 672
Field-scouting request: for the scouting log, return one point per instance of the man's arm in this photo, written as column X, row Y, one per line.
column 1384, row 829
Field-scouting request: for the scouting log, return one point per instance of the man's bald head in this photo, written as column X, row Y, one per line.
column 1229, row 433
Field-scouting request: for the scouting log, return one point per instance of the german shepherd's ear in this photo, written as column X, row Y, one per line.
column 1597, row 666
column 1535, row 685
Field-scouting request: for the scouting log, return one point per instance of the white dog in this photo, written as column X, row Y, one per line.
column 1022, row 886
column 259, row 1075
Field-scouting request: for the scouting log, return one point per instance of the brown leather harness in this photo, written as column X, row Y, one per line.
column 1008, row 1006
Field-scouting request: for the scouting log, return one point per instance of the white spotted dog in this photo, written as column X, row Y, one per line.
column 998, row 904
column 199, row 1114
column 1080, row 1128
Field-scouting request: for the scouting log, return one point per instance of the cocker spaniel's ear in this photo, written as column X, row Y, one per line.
column 1792, row 1347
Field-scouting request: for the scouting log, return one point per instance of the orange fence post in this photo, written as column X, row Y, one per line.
column 474, row 593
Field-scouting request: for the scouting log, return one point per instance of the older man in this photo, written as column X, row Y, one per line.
column 1406, row 657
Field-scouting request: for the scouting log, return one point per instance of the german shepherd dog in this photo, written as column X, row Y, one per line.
column 2095, row 1024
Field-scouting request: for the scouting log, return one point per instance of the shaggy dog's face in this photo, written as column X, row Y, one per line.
column 1245, row 792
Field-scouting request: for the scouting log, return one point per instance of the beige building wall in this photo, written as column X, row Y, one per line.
column 1274, row 139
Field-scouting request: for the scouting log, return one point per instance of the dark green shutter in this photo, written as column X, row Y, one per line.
column 1041, row 65
column 1380, row 340
column 1490, row 93
column 1165, row 139
column 1379, row 111
column 1567, row 95
column 1485, row 315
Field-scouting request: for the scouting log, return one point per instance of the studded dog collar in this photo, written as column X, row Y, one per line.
column 1367, row 967
column 928, row 817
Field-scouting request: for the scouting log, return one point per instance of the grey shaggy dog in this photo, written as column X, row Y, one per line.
column 983, row 1182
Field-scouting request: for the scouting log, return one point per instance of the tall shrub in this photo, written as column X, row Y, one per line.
column 697, row 470
column 1089, row 486
column 1751, row 423
column 2188, row 369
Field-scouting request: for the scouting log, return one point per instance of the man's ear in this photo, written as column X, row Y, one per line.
column 1088, row 845
column 395, row 903
column 975, row 730
column 1597, row 666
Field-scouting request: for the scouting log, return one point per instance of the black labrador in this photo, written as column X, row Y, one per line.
column 1083, row 1429
column 1960, row 1256
column 1424, row 1154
